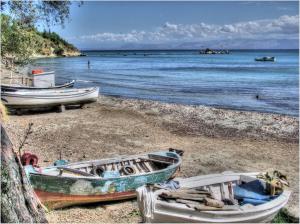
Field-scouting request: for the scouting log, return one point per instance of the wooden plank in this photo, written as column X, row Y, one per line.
column 76, row 171
column 201, row 207
column 184, row 196
column 155, row 160
column 193, row 191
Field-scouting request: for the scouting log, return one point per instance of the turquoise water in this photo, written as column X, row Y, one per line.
column 225, row 81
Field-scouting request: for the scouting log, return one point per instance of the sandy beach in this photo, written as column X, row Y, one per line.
column 214, row 140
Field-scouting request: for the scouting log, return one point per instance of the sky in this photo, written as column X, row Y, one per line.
column 183, row 25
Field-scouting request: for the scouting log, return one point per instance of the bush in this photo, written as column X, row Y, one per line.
column 58, row 51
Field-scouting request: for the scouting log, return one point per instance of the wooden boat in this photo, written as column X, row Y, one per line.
column 265, row 59
column 48, row 98
column 154, row 209
column 14, row 88
column 100, row 180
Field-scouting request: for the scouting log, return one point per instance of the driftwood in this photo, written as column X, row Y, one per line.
column 182, row 195
column 202, row 207
column 213, row 203
column 194, row 198
column 19, row 204
column 194, row 191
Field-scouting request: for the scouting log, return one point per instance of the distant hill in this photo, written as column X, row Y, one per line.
column 50, row 44
column 20, row 42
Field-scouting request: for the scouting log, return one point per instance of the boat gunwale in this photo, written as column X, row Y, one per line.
column 25, row 88
column 171, row 166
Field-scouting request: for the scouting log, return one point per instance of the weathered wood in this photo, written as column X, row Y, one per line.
column 19, row 203
column 202, row 207
column 156, row 160
column 213, row 203
column 54, row 190
column 178, row 195
column 188, row 202
column 194, row 191
column 79, row 172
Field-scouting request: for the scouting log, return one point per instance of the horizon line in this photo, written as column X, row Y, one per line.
column 198, row 49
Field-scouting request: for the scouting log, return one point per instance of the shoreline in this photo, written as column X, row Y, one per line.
column 199, row 105
column 214, row 140
column 251, row 124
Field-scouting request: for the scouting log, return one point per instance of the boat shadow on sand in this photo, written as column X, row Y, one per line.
column 46, row 110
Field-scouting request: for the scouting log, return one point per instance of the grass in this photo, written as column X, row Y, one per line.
column 283, row 217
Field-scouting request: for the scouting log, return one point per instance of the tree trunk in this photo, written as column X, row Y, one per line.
column 18, row 200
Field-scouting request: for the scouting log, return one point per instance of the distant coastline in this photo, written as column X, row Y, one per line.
column 93, row 50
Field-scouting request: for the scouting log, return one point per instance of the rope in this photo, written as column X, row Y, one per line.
column 146, row 202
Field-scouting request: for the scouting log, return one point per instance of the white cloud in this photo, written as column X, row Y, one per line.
column 282, row 27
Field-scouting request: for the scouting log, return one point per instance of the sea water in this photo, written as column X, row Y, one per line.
column 234, row 81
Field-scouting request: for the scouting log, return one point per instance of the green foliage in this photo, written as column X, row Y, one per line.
column 20, row 43
column 30, row 12
column 59, row 51
column 283, row 217
column 16, row 42
column 56, row 39
column 19, row 37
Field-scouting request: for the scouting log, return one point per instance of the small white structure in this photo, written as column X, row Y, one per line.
column 43, row 80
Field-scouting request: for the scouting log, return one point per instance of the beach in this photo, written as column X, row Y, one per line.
column 213, row 140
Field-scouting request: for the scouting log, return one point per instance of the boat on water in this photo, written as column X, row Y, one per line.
column 100, row 180
column 48, row 98
column 15, row 87
column 246, row 193
column 265, row 59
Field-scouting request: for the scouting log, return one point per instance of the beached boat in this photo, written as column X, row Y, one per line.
column 243, row 188
column 48, row 98
column 265, row 59
column 100, row 180
column 14, row 88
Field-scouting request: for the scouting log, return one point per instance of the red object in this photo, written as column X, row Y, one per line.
column 37, row 71
column 29, row 159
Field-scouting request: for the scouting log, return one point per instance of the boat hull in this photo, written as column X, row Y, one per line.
column 48, row 99
column 59, row 200
column 57, row 191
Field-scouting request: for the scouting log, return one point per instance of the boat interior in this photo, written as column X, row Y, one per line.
column 115, row 167
column 233, row 191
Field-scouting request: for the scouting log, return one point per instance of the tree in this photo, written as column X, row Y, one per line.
column 16, row 44
column 30, row 12
column 18, row 201
column 16, row 38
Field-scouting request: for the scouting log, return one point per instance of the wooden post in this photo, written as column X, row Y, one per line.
column 62, row 108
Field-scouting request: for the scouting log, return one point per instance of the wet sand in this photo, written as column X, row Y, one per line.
column 214, row 140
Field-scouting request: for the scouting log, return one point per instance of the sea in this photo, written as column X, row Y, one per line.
column 232, row 81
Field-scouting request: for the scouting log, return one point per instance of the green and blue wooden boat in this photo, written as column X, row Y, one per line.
column 101, row 180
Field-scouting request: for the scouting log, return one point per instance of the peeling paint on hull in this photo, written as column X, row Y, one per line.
column 58, row 200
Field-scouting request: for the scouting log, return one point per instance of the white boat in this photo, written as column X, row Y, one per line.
column 154, row 209
column 47, row 98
